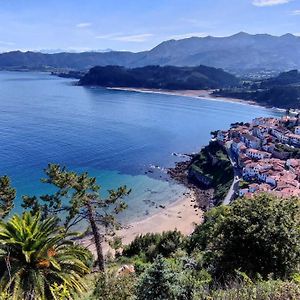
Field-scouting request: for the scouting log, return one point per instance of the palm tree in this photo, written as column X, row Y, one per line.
column 35, row 256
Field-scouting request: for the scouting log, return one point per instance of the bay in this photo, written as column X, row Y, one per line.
column 117, row 136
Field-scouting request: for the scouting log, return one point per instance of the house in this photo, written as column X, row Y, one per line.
column 236, row 146
column 251, row 141
column 255, row 169
column 297, row 130
column 269, row 147
column 271, row 179
column 261, row 131
column 294, row 139
column 243, row 160
column 250, row 170
column 222, row 136
column 293, row 165
column 253, row 187
column 289, row 121
column 280, row 133
column 257, row 154
column 265, row 121
column 243, row 192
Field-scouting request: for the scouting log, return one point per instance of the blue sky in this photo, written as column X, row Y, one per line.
column 136, row 25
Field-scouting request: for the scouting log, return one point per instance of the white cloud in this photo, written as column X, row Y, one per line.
column 138, row 38
column 296, row 12
column 269, row 2
column 4, row 43
column 134, row 38
column 188, row 35
column 84, row 25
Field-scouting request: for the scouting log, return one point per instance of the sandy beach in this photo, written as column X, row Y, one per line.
column 180, row 215
column 199, row 94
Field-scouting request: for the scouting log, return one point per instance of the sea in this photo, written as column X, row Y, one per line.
column 120, row 137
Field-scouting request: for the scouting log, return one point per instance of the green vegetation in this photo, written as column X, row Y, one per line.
column 243, row 184
column 35, row 255
column 256, row 236
column 150, row 245
column 157, row 77
column 248, row 250
column 213, row 163
column 84, row 203
column 7, row 196
column 293, row 152
column 262, row 290
column 110, row 286
column 281, row 91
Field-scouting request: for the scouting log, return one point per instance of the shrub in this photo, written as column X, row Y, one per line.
column 159, row 282
column 109, row 286
column 265, row 290
column 150, row 245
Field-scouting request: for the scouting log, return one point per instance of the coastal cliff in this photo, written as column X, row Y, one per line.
column 209, row 174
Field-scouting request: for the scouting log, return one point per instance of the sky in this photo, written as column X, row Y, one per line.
column 136, row 25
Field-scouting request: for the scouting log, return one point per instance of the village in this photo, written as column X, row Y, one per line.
column 266, row 155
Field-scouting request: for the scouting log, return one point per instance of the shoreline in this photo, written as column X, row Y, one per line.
column 181, row 215
column 197, row 94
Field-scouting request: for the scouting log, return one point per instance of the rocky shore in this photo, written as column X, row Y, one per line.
column 204, row 196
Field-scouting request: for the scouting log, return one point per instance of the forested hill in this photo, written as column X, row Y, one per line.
column 290, row 78
column 281, row 91
column 168, row 77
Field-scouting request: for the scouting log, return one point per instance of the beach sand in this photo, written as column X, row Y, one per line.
column 199, row 94
column 180, row 215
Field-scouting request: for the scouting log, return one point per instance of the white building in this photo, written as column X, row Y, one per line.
column 251, row 141
column 297, row 130
column 236, row 146
column 257, row 154
column 281, row 134
column 222, row 136
column 294, row 139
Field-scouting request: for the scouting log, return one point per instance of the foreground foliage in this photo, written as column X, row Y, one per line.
column 35, row 256
column 77, row 198
column 7, row 196
column 111, row 286
column 248, row 250
column 150, row 245
column 263, row 290
column 257, row 236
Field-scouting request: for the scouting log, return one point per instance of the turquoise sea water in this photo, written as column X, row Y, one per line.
column 115, row 135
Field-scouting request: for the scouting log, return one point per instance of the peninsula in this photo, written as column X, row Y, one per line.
column 156, row 77
column 264, row 156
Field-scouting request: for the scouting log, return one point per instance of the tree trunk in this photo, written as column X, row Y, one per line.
column 97, row 237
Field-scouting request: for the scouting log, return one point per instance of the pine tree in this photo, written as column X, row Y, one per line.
column 77, row 198
column 158, row 282
column 7, row 196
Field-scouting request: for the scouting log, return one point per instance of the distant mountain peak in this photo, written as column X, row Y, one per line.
column 241, row 53
column 241, row 34
column 288, row 35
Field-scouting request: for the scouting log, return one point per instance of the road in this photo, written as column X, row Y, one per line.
column 237, row 176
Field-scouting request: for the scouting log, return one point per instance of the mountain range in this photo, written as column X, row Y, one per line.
column 240, row 53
